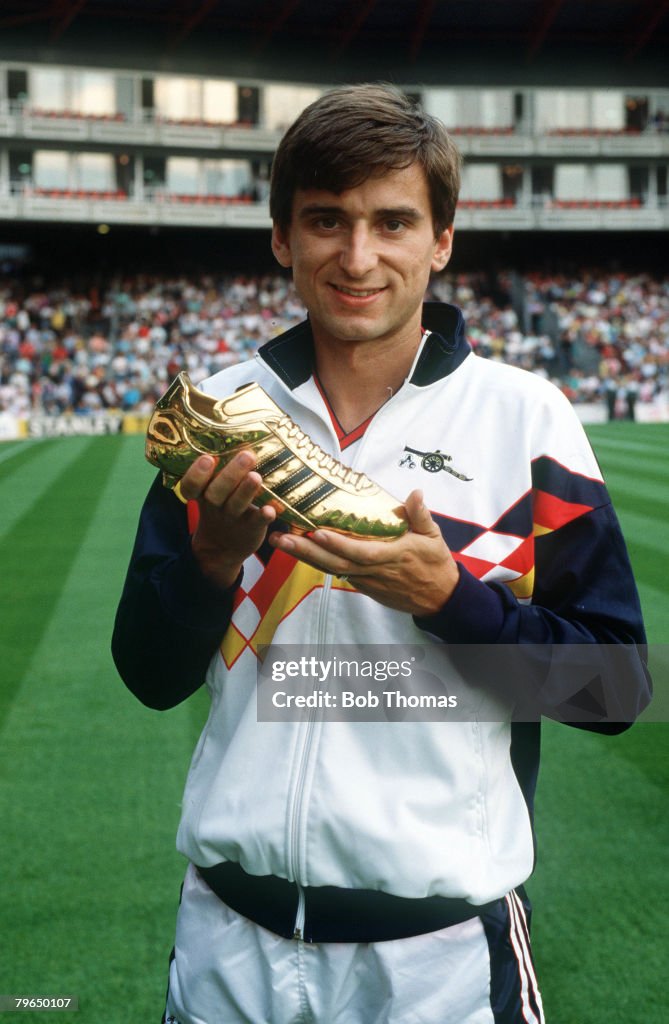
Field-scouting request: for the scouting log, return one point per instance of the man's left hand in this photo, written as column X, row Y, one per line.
column 415, row 573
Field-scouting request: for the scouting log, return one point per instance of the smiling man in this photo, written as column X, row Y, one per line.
column 341, row 871
column 361, row 265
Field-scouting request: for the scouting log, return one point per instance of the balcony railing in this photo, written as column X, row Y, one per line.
column 150, row 127
column 26, row 202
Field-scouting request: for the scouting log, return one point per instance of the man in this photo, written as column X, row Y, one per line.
column 372, row 871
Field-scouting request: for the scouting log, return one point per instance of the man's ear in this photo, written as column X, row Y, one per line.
column 281, row 246
column 443, row 247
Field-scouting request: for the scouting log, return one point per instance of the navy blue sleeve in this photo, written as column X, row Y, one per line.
column 170, row 619
column 584, row 594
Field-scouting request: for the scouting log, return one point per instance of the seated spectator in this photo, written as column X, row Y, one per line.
column 63, row 351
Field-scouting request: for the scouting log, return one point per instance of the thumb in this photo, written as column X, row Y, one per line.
column 420, row 520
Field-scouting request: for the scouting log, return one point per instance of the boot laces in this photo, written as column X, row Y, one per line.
column 322, row 459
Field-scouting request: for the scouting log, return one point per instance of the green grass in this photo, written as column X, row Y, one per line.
column 90, row 781
column 600, row 890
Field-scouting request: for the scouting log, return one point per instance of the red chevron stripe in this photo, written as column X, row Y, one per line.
column 275, row 575
column 522, row 559
column 551, row 512
column 478, row 567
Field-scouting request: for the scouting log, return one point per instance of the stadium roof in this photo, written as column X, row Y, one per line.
column 627, row 32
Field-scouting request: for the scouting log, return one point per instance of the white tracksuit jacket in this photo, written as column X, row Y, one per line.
column 413, row 808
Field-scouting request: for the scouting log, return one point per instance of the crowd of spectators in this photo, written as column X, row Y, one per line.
column 601, row 337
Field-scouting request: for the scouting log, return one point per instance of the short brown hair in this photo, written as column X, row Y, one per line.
column 357, row 132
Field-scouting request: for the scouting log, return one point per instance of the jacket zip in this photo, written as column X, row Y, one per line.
column 297, row 809
column 297, row 812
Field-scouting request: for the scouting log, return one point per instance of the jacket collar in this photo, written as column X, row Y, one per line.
column 291, row 355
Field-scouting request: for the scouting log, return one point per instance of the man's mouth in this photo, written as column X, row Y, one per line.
column 357, row 293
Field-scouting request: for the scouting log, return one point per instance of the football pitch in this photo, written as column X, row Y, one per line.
column 90, row 781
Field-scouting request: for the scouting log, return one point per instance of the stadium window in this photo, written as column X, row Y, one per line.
column 609, row 183
column 179, row 99
column 282, row 103
column 148, row 94
column 227, row 177
column 441, row 103
column 219, row 101
column 571, row 181
column 484, row 110
column 93, row 172
column 260, row 175
column 17, row 85
column 124, row 89
column 248, row 104
column 183, row 175
column 512, row 182
column 638, row 183
column 560, row 108
column 93, row 93
column 636, row 113
column 608, row 110
column 661, row 179
column 20, row 166
column 543, row 183
column 124, row 172
column 496, row 108
column 154, row 171
column 518, row 109
column 482, row 183
column 51, row 169
column 467, row 108
column 49, row 89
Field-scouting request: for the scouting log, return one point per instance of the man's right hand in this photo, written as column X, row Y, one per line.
column 230, row 527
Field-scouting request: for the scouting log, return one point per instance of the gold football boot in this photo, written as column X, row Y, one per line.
column 309, row 489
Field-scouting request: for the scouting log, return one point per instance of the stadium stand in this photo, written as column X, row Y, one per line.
column 177, row 144
column 63, row 351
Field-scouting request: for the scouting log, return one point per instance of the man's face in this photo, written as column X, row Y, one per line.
column 362, row 259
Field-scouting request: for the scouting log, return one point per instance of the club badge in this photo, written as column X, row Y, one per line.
column 431, row 462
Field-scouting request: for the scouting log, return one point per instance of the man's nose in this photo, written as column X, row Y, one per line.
column 359, row 254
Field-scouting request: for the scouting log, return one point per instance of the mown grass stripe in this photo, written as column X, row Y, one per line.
column 636, row 510
column 25, row 454
column 647, row 472
column 36, row 555
column 629, row 433
column 610, row 445
column 600, row 816
column 654, row 607
column 630, row 460
column 27, row 480
column 81, row 759
column 10, row 449
column 636, row 487
column 649, row 562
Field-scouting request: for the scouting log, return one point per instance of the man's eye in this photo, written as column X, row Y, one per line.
column 327, row 223
column 394, row 226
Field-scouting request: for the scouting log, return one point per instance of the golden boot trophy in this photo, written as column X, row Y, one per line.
column 309, row 489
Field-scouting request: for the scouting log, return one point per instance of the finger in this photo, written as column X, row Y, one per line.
column 238, row 500
column 418, row 514
column 355, row 550
column 230, row 477
column 196, row 478
column 268, row 513
column 243, row 499
column 307, row 550
column 202, row 476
